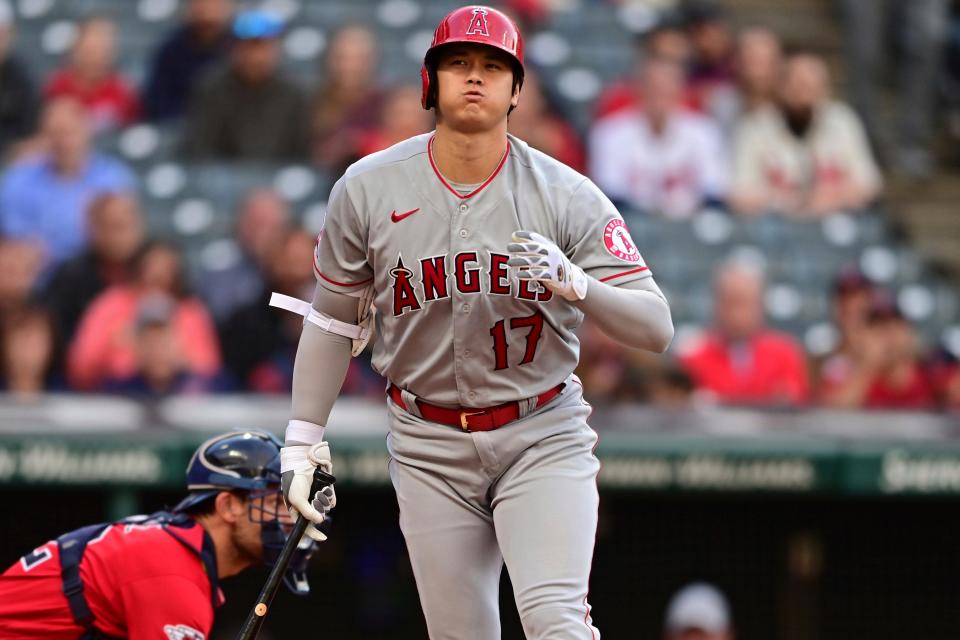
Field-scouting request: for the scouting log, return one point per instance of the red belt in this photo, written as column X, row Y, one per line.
column 472, row 419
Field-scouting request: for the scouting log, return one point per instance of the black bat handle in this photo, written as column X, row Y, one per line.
column 251, row 626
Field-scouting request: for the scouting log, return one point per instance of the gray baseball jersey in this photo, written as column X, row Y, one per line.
column 454, row 327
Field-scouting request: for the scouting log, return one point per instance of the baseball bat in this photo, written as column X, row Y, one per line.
column 251, row 626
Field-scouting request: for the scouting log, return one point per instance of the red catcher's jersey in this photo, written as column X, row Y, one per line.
column 139, row 582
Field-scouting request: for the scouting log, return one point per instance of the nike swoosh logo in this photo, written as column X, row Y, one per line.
column 397, row 217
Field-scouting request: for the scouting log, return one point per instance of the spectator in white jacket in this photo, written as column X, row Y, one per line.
column 660, row 158
column 807, row 155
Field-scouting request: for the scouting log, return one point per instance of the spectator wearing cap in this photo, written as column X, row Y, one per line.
column 248, row 110
column 740, row 361
column 698, row 611
column 202, row 40
column 806, row 157
column 105, row 345
column 18, row 93
column 661, row 159
column 91, row 78
column 885, row 370
column 44, row 197
column 116, row 233
column 347, row 104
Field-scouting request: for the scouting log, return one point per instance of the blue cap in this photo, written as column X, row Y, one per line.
column 253, row 24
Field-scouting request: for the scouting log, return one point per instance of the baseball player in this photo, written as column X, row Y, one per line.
column 481, row 257
column 156, row 576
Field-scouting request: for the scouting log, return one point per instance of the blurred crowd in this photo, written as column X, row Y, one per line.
column 877, row 362
column 710, row 116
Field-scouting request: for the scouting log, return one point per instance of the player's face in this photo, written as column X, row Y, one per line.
column 475, row 89
column 260, row 508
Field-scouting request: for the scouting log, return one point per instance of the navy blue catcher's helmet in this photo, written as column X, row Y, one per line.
column 239, row 460
column 248, row 461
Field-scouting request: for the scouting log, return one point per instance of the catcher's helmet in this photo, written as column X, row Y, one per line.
column 248, row 461
column 477, row 24
column 239, row 460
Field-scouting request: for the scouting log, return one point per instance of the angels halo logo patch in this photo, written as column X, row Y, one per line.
column 617, row 240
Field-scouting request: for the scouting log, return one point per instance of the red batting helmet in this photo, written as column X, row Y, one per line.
column 478, row 24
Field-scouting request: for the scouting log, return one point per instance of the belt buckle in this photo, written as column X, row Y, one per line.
column 463, row 418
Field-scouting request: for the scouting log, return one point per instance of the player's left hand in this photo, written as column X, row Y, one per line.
column 536, row 258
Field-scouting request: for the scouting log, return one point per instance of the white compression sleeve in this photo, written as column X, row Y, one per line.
column 322, row 361
column 635, row 314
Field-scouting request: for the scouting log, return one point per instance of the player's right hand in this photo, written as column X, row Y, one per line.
column 299, row 462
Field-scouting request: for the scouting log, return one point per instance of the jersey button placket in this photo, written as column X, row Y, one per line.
column 461, row 233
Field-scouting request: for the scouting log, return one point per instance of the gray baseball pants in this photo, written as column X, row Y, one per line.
column 524, row 494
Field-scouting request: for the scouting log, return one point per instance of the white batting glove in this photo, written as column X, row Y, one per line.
column 536, row 258
column 297, row 465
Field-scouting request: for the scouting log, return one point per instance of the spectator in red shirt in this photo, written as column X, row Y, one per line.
column 157, row 576
column 741, row 361
column 885, row 369
column 104, row 347
column 90, row 77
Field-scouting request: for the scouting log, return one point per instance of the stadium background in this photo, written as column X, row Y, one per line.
column 816, row 522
